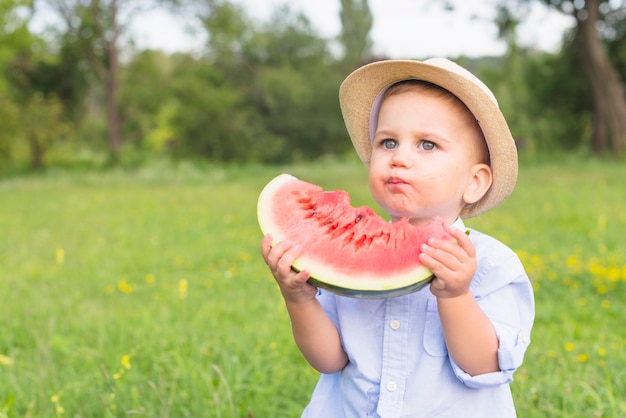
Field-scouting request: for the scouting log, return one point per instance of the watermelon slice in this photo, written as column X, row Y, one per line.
column 350, row 251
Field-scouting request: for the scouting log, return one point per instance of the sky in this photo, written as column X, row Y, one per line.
column 401, row 29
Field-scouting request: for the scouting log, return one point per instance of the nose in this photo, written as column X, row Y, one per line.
column 400, row 158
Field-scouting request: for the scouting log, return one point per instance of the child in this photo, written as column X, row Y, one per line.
column 436, row 144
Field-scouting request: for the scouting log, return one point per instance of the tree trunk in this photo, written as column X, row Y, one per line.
column 36, row 152
column 115, row 136
column 609, row 98
column 113, row 118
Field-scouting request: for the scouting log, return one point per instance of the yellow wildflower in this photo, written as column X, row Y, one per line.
column 60, row 256
column 613, row 273
column 125, row 287
column 126, row 361
column 6, row 360
column 182, row 288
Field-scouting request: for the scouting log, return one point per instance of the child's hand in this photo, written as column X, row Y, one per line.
column 279, row 258
column 452, row 263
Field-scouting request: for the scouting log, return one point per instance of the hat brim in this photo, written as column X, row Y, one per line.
column 360, row 89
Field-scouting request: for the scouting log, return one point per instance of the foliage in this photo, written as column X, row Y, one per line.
column 43, row 124
column 14, row 35
column 143, row 292
column 9, row 113
column 356, row 25
column 259, row 91
column 597, row 23
column 213, row 119
column 561, row 95
column 30, row 105
column 544, row 98
column 146, row 102
column 616, row 42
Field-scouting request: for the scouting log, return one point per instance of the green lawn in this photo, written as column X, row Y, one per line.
column 144, row 293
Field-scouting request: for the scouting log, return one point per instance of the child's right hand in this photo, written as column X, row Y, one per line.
column 279, row 258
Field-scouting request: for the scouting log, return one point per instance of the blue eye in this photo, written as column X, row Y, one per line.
column 389, row 144
column 427, row 145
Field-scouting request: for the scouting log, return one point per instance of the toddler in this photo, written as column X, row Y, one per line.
column 436, row 144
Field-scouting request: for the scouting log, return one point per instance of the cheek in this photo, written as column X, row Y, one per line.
column 371, row 180
column 375, row 181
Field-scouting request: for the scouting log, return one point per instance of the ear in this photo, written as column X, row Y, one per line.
column 480, row 181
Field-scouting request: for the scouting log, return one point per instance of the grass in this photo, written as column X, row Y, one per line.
column 143, row 292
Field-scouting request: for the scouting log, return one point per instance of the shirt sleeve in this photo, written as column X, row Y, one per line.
column 504, row 292
column 329, row 303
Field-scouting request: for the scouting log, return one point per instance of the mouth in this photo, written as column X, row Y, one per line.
column 396, row 181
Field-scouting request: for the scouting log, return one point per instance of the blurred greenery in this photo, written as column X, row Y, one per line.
column 260, row 91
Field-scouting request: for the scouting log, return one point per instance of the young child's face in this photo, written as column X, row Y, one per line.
column 427, row 158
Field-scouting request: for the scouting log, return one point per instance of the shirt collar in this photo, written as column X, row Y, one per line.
column 458, row 224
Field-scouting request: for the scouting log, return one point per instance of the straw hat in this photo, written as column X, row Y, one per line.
column 360, row 95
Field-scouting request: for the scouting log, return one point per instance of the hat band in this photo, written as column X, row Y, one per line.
column 378, row 101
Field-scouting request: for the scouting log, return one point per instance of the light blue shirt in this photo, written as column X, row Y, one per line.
column 398, row 362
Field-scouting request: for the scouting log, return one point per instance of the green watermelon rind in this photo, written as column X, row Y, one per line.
column 345, row 285
column 372, row 293
column 362, row 286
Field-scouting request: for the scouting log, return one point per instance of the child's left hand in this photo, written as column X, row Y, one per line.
column 452, row 263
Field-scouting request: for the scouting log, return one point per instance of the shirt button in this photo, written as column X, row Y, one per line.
column 395, row 324
column 391, row 386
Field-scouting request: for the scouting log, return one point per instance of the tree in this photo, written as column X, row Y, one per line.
column 595, row 23
column 94, row 28
column 356, row 24
column 14, row 38
column 144, row 108
column 92, row 36
column 271, row 92
column 42, row 119
column 608, row 92
column 29, row 107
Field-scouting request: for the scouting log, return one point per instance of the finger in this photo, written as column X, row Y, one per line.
column 266, row 245
column 276, row 253
column 438, row 251
column 447, row 251
column 463, row 241
column 442, row 257
column 287, row 259
column 429, row 262
column 303, row 276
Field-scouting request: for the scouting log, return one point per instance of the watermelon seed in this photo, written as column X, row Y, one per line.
column 358, row 218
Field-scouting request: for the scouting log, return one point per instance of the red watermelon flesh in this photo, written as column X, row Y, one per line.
column 351, row 251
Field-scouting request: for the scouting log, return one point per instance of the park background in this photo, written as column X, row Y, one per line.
column 130, row 273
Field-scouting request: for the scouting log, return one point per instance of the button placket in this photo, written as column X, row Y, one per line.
column 395, row 339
